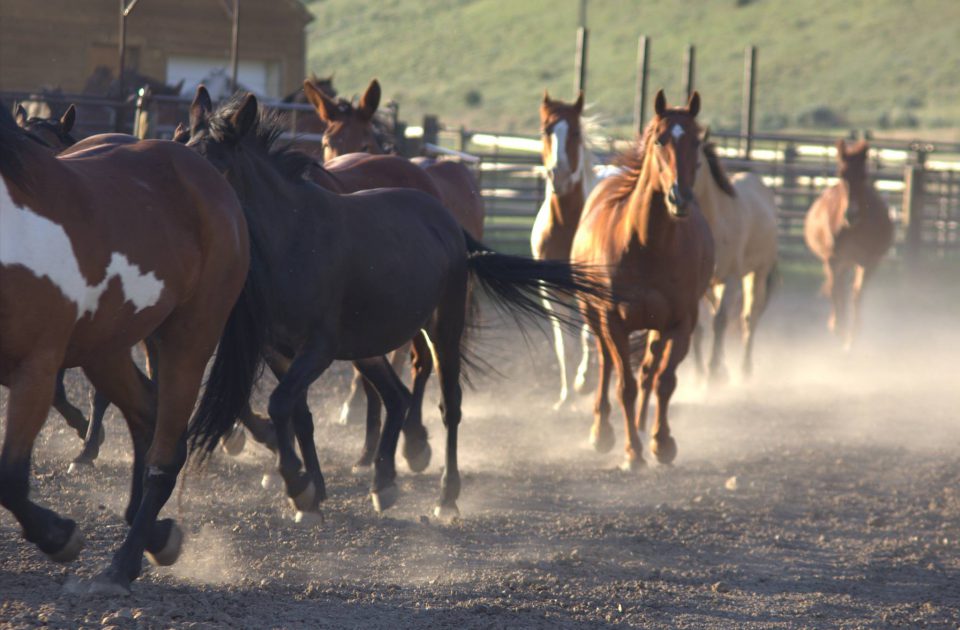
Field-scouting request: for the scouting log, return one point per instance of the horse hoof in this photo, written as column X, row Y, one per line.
column 580, row 384
column 308, row 518
column 630, row 464
column 71, row 549
column 602, row 439
column 304, row 500
column 271, row 481
column 347, row 415
column 361, row 468
column 171, row 550
column 419, row 461
column 561, row 402
column 446, row 512
column 79, row 466
column 665, row 449
column 384, row 498
column 234, row 441
column 104, row 584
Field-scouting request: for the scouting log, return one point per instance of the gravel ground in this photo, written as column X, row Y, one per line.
column 825, row 493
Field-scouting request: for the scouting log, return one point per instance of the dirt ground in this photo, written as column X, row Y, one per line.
column 824, row 493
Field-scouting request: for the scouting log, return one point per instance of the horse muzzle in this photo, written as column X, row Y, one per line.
column 679, row 201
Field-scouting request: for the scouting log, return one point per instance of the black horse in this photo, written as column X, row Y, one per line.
column 352, row 277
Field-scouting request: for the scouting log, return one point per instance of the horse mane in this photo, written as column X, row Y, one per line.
column 630, row 162
column 11, row 138
column 716, row 169
column 265, row 135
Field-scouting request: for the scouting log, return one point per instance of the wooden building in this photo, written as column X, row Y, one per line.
column 60, row 43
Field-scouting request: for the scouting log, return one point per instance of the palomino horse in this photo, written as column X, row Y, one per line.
column 100, row 247
column 569, row 167
column 352, row 277
column 849, row 228
column 351, row 130
column 644, row 229
column 742, row 215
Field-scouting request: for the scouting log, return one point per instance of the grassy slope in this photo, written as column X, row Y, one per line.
column 861, row 58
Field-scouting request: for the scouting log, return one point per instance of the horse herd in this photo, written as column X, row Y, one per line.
column 228, row 242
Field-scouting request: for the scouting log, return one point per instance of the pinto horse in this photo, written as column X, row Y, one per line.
column 569, row 168
column 848, row 228
column 742, row 215
column 100, row 247
column 352, row 277
column 352, row 130
column 644, row 229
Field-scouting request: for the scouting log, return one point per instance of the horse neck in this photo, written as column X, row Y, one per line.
column 647, row 210
column 711, row 199
column 565, row 209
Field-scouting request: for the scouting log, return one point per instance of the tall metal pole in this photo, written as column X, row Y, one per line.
column 125, row 10
column 689, row 63
column 235, row 45
column 643, row 66
column 749, row 86
column 580, row 63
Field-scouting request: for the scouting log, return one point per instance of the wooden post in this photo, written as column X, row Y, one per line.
column 643, row 67
column 749, row 85
column 235, row 45
column 580, row 63
column 125, row 10
column 431, row 131
column 141, row 118
column 689, row 61
column 913, row 205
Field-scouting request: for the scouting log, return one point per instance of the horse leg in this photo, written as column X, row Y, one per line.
column 754, row 303
column 95, row 434
column 620, row 339
column 350, row 411
column 675, row 347
column 371, row 436
column 416, row 448
column 648, row 372
column 862, row 273
column 560, row 353
column 580, row 382
column 396, row 399
column 726, row 293
column 303, row 427
column 601, row 433
column 315, row 357
column 31, row 393
column 838, row 297
column 260, row 428
column 65, row 408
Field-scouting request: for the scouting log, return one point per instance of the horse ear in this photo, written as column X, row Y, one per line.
column 546, row 97
column 181, row 134
column 68, row 119
column 20, row 114
column 199, row 108
column 841, row 148
column 370, row 100
column 660, row 103
column 693, row 105
column 245, row 116
column 178, row 86
column 326, row 108
column 578, row 105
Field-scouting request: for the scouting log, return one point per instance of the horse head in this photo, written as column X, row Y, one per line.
column 348, row 129
column 562, row 142
column 672, row 143
column 852, row 170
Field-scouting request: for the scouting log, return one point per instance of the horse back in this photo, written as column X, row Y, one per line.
column 354, row 172
column 459, row 192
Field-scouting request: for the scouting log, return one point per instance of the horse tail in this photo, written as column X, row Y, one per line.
column 519, row 285
column 237, row 365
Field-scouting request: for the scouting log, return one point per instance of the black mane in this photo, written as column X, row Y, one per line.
column 265, row 135
column 716, row 169
column 11, row 138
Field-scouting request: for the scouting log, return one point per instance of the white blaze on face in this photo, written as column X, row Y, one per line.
column 677, row 132
column 558, row 146
column 43, row 247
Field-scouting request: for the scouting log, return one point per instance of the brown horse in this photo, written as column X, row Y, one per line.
column 100, row 247
column 351, row 130
column 645, row 229
column 569, row 168
column 848, row 228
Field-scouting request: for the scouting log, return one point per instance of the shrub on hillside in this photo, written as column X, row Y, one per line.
column 821, row 116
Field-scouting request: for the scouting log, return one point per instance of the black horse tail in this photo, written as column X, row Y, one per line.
column 236, row 368
column 519, row 285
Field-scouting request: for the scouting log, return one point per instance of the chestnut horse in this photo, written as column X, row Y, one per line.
column 644, row 229
column 848, row 228
column 742, row 215
column 351, row 130
column 351, row 277
column 568, row 164
column 100, row 247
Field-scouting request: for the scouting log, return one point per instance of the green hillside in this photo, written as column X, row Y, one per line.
column 863, row 63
